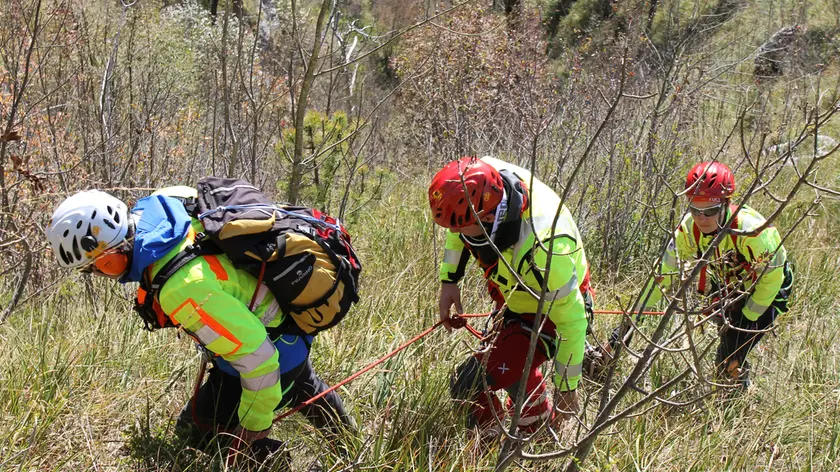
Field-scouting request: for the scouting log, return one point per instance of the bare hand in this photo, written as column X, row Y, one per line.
column 567, row 404
column 450, row 294
column 248, row 437
column 240, row 447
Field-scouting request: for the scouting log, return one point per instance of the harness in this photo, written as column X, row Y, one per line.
column 740, row 259
column 547, row 336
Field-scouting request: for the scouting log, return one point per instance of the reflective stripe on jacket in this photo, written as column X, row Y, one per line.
column 563, row 302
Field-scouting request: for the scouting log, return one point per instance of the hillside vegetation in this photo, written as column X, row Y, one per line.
column 350, row 107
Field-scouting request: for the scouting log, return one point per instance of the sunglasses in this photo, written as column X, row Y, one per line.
column 707, row 212
column 110, row 264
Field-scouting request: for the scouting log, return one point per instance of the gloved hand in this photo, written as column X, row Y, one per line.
column 261, row 450
column 450, row 294
column 457, row 322
column 596, row 362
column 746, row 323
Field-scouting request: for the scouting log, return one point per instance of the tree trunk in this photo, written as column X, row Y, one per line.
column 559, row 10
column 654, row 4
column 295, row 176
column 214, row 10
column 513, row 11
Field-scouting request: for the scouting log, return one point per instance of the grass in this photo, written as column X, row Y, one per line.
column 82, row 387
column 83, row 392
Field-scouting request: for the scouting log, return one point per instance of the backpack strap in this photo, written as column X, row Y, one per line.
column 701, row 282
column 734, row 225
column 173, row 265
column 146, row 307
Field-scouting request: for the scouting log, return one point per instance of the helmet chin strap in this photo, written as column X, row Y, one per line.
column 476, row 241
column 501, row 213
column 133, row 219
column 723, row 215
column 128, row 243
column 499, row 216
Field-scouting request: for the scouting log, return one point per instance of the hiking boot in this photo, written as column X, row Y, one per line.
column 735, row 375
column 596, row 363
column 193, row 437
column 199, row 436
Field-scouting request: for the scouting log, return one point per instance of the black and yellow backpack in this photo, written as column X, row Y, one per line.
column 302, row 255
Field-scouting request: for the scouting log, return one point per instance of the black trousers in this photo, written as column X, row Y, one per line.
column 217, row 401
column 735, row 344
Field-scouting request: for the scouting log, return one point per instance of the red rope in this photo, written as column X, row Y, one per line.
column 384, row 358
column 257, row 289
column 619, row 312
column 474, row 331
column 376, row 363
column 597, row 312
column 193, row 408
column 411, row 341
column 472, row 315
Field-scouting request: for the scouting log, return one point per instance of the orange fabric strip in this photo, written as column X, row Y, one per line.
column 212, row 323
column 216, row 267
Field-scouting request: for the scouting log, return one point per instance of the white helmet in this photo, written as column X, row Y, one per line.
column 85, row 225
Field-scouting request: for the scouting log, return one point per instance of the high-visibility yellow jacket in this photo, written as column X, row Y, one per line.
column 209, row 299
column 563, row 303
column 753, row 263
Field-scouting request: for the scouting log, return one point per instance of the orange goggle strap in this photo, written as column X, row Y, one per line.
column 111, row 263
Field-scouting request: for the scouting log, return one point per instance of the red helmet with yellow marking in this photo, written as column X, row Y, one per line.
column 449, row 201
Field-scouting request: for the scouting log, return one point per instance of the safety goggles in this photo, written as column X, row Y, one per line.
column 707, row 212
column 111, row 263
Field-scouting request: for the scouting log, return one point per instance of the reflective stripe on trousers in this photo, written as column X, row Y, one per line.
column 293, row 350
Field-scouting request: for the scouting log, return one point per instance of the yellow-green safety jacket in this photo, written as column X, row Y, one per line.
column 209, row 299
column 737, row 262
column 564, row 304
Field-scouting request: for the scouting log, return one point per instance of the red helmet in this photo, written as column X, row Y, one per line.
column 446, row 193
column 709, row 181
